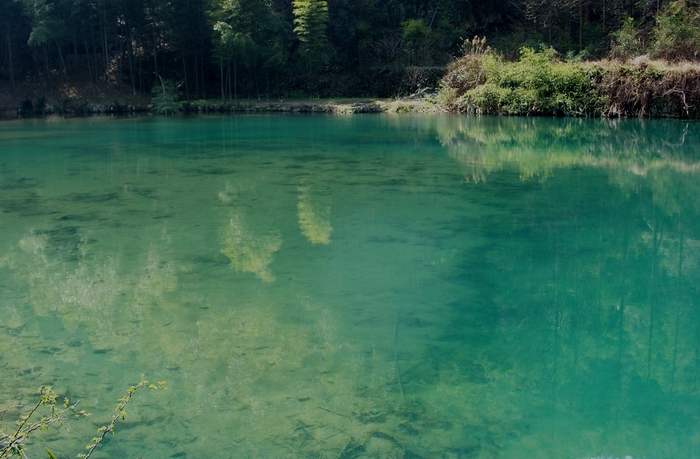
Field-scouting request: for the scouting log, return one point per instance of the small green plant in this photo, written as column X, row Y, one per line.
column 120, row 414
column 13, row 442
column 164, row 96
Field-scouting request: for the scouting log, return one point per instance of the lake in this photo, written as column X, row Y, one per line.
column 379, row 286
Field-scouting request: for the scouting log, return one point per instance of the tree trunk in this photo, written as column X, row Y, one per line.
column 94, row 54
column 120, row 53
column 184, row 73
column 201, row 77
column 155, row 51
column 580, row 25
column 46, row 63
column 9, row 56
column 605, row 17
column 228, row 74
column 140, row 74
column 130, row 50
column 221, row 74
column 138, row 41
column 60, row 55
column 87, row 59
column 75, row 53
column 103, row 39
column 196, row 77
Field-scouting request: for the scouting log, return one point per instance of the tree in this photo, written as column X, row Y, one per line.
column 47, row 27
column 192, row 36
column 311, row 21
column 626, row 42
column 248, row 35
column 10, row 24
column 676, row 35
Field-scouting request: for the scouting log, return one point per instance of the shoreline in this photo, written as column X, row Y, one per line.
column 321, row 106
column 541, row 86
column 327, row 106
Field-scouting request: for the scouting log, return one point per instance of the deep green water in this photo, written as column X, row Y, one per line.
column 353, row 287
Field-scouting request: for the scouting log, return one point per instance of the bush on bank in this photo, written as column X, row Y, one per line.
column 644, row 88
column 538, row 83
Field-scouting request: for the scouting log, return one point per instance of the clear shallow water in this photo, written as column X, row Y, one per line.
column 342, row 287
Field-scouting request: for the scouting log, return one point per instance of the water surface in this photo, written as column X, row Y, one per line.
column 354, row 287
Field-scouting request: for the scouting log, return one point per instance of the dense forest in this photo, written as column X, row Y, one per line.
column 285, row 48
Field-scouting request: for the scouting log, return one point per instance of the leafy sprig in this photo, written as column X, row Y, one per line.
column 120, row 414
column 13, row 444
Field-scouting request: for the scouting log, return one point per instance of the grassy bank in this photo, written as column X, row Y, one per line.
column 538, row 83
column 89, row 101
column 328, row 106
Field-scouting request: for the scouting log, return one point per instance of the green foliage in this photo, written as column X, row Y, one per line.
column 676, row 35
column 164, row 96
column 536, row 84
column 248, row 36
column 488, row 97
column 643, row 89
column 310, row 24
column 46, row 25
column 120, row 414
column 12, row 443
column 246, row 31
column 626, row 41
column 232, row 44
column 414, row 31
column 469, row 71
column 356, row 48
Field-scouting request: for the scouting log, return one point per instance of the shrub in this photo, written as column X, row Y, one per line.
column 540, row 84
column 626, row 42
column 485, row 99
column 164, row 96
column 536, row 84
column 676, row 35
column 414, row 31
column 645, row 89
column 468, row 71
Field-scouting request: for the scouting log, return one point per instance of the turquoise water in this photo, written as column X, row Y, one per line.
column 355, row 287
